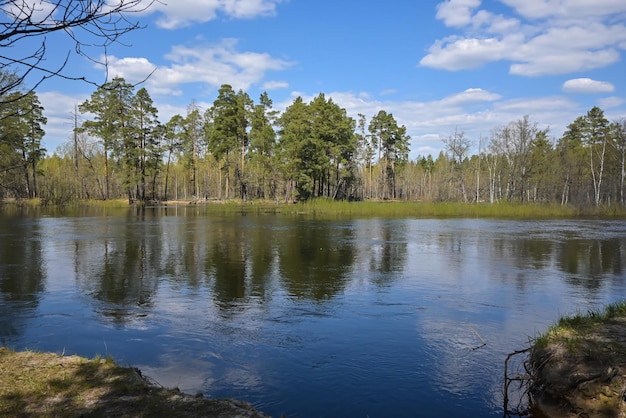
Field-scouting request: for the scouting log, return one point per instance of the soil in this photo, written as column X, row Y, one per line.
column 52, row 385
column 582, row 374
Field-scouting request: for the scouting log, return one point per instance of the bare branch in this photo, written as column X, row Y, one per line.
column 87, row 24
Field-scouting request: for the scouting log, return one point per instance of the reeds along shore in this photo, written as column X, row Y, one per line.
column 371, row 208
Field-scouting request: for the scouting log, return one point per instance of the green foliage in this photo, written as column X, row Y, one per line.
column 237, row 148
column 21, row 132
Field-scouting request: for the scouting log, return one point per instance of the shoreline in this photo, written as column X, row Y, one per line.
column 53, row 385
column 578, row 367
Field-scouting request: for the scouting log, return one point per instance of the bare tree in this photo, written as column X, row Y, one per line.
column 619, row 132
column 458, row 146
column 87, row 24
column 513, row 142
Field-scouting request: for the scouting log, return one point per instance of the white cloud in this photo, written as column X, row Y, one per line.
column 465, row 53
column 211, row 65
column 181, row 13
column 133, row 69
column 584, row 9
column 274, row 85
column 456, row 12
column 587, row 85
column 557, row 37
column 609, row 102
column 564, row 62
column 469, row 96
column 59, row 109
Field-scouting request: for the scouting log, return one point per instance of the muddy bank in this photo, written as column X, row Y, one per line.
column 579, row 367
column 51, row 385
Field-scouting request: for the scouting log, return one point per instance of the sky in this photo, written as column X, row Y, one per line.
column 437, row 66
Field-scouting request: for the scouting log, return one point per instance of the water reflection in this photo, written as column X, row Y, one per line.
column 315, row 258
column 22, row 272
column 303, row 316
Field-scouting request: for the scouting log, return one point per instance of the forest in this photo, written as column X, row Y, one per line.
column 242, row 149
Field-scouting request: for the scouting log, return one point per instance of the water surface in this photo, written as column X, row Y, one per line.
column 304, row 317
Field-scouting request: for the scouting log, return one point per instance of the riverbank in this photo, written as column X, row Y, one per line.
column 578, row 366
column 52, row 385
column 328, row 208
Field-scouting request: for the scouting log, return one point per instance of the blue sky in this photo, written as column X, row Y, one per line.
column 438, row 66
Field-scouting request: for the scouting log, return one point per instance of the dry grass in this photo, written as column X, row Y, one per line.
column 50, row 385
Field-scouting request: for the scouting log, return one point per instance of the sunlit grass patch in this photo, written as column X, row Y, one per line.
column 52, row 385
column 569, row 328
column 328, row 207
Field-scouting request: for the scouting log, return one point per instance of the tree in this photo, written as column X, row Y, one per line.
column 295, row 132
column 173, row 137
column 365, row 153
column 229, row 134
column 21, row 131
column 542, row 168
column 332, row 132
column 619, row 134
column 110, row 105
column 595, row 137
column 458, row 146
column 144, row 149
column 192, row 135
column 392, row 144
column 29, row 27
column 571, row 161
column 263, row 142
column 513, row 141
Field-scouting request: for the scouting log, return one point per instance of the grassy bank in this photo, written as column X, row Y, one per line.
column 383, row 209
column 51, row 385
column 570, row 330
column 432, row 210
column 578, row 366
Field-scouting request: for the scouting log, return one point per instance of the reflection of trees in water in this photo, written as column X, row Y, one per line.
column 315, row 258
column 588, row 261
column 388, row 253
column 120, row 266
column 226, row 261
column 22, row 271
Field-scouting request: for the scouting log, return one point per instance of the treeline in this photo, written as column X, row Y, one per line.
column 239, row 148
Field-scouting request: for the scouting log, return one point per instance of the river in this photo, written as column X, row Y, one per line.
column 301, row 316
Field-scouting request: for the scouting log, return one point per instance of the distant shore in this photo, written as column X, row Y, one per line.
column 53, row 385
column 369, row 208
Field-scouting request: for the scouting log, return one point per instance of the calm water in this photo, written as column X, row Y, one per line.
column 342, row 318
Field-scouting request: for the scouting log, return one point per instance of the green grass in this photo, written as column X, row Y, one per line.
column 569, row 328
column 50, row 385
column 432, row 209
column 328, row 208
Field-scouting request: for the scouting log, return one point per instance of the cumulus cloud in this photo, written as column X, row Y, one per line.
column 181, row 13
column 59, row 109
column 610, row 102
column 274, row 85
column 583, row 9
column 587, row 85
column 555, row 37
column 471, row 95
column 211, row 65
column 466, row 53
column 456, row 12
